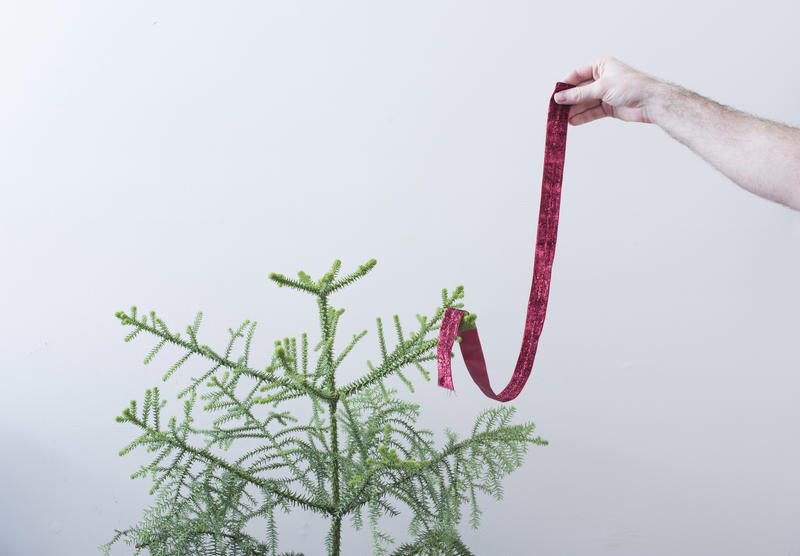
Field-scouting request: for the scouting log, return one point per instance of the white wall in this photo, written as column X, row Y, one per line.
column 172, row 154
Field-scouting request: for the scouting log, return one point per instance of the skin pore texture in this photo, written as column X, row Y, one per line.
column 759, row 155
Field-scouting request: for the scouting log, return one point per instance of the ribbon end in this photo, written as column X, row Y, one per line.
column 446, row 382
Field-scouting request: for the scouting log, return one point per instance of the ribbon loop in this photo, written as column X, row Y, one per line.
column 554, row 151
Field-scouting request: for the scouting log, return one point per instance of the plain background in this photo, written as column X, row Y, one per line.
column 172, row 154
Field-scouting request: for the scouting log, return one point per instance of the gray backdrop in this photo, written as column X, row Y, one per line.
column 172, row 154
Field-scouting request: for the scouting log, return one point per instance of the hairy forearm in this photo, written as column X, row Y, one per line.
column 761, row 156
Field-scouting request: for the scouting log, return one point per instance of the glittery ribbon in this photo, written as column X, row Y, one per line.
column 554, row 150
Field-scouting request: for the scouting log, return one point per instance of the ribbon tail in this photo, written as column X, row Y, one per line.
column 447, row 335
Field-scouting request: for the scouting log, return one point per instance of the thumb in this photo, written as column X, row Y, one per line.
column 577, row 95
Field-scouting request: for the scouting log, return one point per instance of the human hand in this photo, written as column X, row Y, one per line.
column 607, row 87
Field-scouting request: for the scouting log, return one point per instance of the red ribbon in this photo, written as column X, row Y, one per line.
column 554, row 150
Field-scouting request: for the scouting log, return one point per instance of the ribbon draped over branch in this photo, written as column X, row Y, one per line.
column 554, row 151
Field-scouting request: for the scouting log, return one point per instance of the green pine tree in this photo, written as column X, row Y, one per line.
column 360, row 456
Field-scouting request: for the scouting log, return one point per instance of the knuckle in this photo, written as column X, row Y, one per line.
column 598, row 67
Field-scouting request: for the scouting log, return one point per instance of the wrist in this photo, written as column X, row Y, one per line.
column 657, row 101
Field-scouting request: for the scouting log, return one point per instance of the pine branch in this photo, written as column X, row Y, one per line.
column 153, row 436
column 300, row 387
column 490, row 439
column 413, row 351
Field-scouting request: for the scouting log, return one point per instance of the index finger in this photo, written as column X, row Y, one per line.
column 582, row 73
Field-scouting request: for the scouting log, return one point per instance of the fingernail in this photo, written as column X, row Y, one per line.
column 560, row 97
